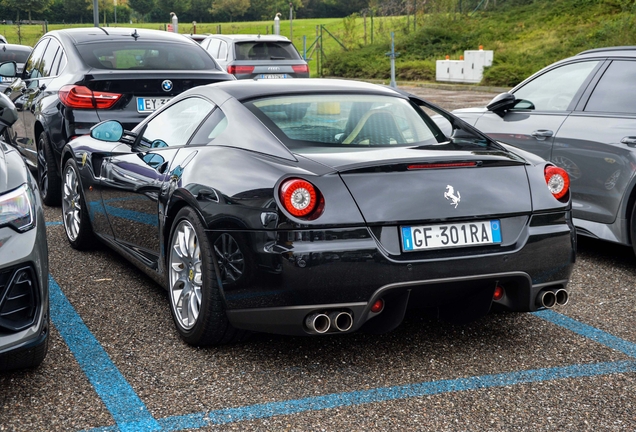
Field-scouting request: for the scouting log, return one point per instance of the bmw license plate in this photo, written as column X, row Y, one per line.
column 148, row 105
column 450, row 235
column 273, row 76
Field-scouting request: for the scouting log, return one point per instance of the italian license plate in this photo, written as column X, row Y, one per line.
column 148, row 105
column 416, row 238
column 273, row 76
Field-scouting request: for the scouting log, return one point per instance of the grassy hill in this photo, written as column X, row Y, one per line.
column 525, row 36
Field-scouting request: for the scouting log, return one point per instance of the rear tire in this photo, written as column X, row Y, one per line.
column 195, row 297
column 49, row 180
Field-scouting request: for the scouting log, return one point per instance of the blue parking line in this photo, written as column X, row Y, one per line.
column 128, row 411
column 589, row 332
column 53, row 223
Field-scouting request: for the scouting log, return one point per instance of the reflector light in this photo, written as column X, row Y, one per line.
column 234, row 69
column 557, row 180
column 441, row 165
column 301, row 68
column 499, row 293
column 74, row 96
column 377, row 306
column 299, row 197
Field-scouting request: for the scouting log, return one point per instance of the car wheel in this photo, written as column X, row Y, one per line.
column 74, row 214
column 48, row 179
column 195, row 297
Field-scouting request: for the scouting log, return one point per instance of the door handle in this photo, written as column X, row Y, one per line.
column 542, row 134
column 629, row 140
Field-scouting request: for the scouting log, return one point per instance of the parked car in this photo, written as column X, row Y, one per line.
column 3, row 40
column 331, row 220
column 78, row 77
column 14, row 53
column 257, row 56
column 197, row 37
column 24, row 264
column 580, row 114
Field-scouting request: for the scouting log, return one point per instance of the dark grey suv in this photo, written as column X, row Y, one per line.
column 579, row 113
column 257, row 56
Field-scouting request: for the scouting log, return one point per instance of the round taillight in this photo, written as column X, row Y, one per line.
column 299, row 197
column 557, row 180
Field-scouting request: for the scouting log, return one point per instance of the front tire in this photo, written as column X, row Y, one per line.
column 195, row 297
column 74, row 214
column 48, row 179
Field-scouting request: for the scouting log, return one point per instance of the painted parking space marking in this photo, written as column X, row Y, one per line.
column 131, row 414
column 128, row 411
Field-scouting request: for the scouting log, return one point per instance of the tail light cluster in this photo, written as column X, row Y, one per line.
column 75, row 96
column 237, row 70
column 301, row 199
column 301, row 68
column 557, row 180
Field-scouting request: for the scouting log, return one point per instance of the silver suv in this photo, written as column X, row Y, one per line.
column 257, row 56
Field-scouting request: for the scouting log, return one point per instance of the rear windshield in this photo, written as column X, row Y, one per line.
column 14, row 55
column 146, row 56
column 309, row 123
column 266, row 51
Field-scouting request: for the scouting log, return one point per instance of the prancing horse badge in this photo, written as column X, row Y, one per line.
column 450, row 195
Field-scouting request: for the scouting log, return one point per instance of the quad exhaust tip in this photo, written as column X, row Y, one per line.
column 330, row 321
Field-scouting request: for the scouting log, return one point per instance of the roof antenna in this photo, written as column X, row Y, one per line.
column 135, row 34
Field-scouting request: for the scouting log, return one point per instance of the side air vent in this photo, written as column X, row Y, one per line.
column 18, row 299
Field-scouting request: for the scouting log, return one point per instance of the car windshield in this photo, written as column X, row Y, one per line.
column 18, row 56
column 145, row 56
column 266, row 50
column 310, row 123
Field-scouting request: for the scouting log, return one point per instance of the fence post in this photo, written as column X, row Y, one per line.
column 371, row 26
column 365, row 27
column 305, row 47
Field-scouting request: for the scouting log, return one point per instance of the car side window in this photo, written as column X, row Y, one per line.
column 555, row 89
column 49, row 58
column 211, row 128
column 223, row 50
column 34, row 65
column 214, row 48
column 615, row 91
column 62, row 63
column 175, row 125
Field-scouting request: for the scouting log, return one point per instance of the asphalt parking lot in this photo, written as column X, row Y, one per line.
column 115, row 360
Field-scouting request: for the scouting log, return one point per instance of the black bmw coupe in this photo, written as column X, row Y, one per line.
column 319, row 207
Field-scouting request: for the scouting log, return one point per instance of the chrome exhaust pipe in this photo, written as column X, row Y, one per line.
column 342, row 321
column 562, row 297
column 318, row 323
column 547, row 299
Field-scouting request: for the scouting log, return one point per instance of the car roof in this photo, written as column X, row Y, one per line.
column 15, row 47
column 249, row 89
column 92, row 34
column 617, row 51
column 252, row 37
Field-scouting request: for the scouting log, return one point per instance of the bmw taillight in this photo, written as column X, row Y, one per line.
column 74, row 96
column 301, row 68
column 557, row 180
column 237, row 70
column 301, row 199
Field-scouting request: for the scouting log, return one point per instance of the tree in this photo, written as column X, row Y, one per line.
column 27, row 5
column 231, row 8
column 77, row 10
column 179, row 7
column 142, row 7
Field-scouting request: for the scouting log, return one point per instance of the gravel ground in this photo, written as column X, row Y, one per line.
column 129, row 316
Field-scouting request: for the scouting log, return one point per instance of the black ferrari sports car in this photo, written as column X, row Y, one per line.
column 319, row 207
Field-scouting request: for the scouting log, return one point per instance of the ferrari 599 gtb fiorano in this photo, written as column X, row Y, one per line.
column 319, row 207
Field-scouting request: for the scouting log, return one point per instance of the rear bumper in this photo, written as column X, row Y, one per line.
column 296, row 273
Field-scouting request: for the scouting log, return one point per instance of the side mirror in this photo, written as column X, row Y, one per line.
column 109, row 131
column 8, row 69
column 8, row 112
column 502, row 102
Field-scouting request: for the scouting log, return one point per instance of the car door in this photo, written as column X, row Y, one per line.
column 133, row 177
column 597, row 144
column 543, row 103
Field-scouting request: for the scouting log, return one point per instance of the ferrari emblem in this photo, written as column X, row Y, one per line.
column 191, row 275
column 84, row 156
column 450, row 195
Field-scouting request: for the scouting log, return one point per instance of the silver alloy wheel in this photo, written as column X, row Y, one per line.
column 186, row 275
column 71, row 203
column 230, row 258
